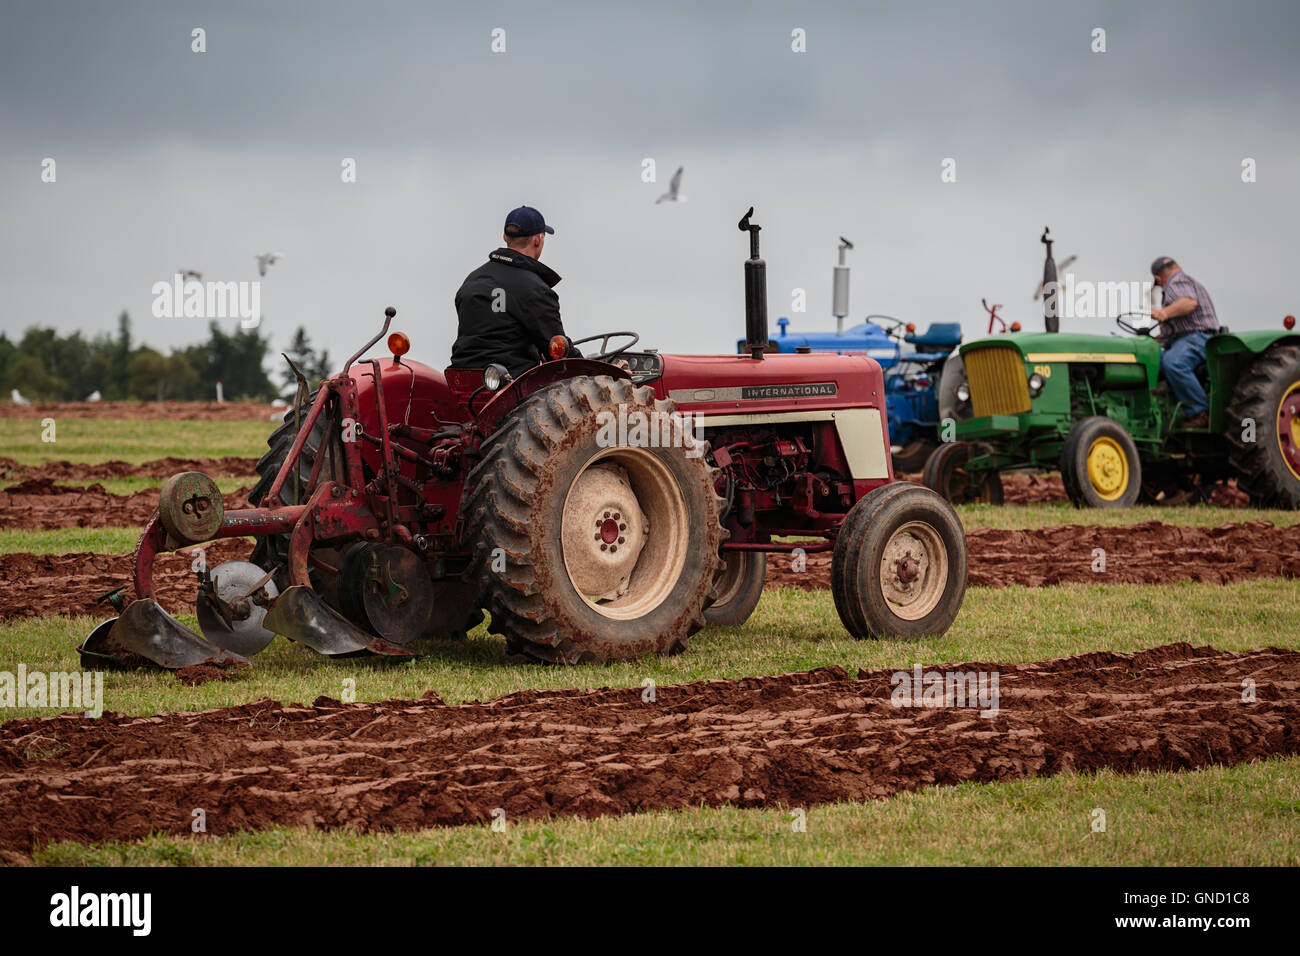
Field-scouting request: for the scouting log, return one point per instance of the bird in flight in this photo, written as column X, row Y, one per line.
column 674, row 185
column 265, row 260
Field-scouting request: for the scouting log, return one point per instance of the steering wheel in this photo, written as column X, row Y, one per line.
column 602, row 355
column 1132, row 328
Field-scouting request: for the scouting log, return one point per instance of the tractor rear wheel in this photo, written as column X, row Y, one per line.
column 271, row 551
column 1100, row 467
column 585, row 548
column 899, row 566
column 1268, row 394
column 737, row 589
column 945, row 473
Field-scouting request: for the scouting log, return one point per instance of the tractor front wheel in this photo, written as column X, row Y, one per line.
column 946, row 473
column 1268, row 396
column 1100, row 467
column 899, row 566
column 589, row 545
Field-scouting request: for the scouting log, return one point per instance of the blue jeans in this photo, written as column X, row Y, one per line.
column 1179, row 362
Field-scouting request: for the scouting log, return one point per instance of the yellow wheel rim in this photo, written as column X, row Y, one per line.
column 1107, row 468
column 1288, row 428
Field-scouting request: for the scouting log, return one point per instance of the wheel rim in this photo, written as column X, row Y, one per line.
column 1288, row 428
column 731, row 580
column 1107, row 468
column 914, row 570
column 624, row 533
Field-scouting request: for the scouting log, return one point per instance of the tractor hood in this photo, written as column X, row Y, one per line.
column 1044, row 348
column 779, row 383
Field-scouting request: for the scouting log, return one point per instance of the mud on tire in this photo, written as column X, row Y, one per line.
column 1268, row 393
column 547, row 494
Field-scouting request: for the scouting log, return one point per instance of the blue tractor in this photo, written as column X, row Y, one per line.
column 912, row 362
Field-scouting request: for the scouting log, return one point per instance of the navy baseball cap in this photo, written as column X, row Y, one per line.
column 1161, row 264
column 526, row 221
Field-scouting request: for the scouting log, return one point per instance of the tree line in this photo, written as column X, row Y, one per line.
column 48, row 367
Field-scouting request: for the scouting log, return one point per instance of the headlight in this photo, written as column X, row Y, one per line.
column 963, row 392
column 494, row 376
column 1035, row 384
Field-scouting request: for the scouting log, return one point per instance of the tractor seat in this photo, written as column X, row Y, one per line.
column 939, row 337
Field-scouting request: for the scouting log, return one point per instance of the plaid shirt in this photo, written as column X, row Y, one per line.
column 1203, row 318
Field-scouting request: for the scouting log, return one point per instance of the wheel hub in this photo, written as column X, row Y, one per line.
column 914, row 570
column 604, row 532
column 1107, row 468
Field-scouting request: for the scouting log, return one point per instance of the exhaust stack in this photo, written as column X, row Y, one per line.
column 1051, row 290
column 840, row 289
column 755, row 292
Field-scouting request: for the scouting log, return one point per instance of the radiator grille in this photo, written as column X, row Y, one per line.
column 996, row 377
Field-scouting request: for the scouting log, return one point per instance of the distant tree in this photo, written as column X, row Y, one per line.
column 147, row 371
column 314, row 366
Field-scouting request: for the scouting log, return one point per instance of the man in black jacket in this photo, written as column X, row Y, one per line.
column 507, row 308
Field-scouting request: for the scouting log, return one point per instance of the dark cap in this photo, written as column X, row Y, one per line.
column 526, row 221
column 1161, row 264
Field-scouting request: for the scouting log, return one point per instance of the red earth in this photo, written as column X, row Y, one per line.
column 795, row 740
column 1146, row 553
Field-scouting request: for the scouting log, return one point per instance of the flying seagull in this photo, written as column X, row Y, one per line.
column 1063, row 264
column 192, row 274
column 266, row 259
column 674, row 185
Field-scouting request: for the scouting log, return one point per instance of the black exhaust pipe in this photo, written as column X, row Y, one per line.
column 755, row 292
column 1051, row 289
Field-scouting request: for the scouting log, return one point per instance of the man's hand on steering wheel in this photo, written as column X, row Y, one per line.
column 1150, row 327
column 603, row 355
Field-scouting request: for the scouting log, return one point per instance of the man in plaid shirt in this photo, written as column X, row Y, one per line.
column 1189, row 319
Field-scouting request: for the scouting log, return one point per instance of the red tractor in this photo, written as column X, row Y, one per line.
column 598, row 508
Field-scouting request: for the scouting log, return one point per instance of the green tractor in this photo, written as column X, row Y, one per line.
column 1094, row 407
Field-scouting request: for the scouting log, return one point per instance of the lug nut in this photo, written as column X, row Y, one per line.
column 620, row 540
column 604, row 547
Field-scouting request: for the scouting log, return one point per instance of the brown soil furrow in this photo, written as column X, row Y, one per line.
column 36, row 584
column 1146, row 553
column 63, row 471
column 38, row 503
column 791, row 740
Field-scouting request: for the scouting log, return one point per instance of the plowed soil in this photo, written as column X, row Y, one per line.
column 1020, row 488
column 12, row 471
column 1146, row 553
column 1150, row 552
column 40, row 503
column 147, row 411
column 794, row 740
column 35, row 584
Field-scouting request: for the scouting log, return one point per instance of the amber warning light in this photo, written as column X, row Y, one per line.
column 559, row 347
column 399, row 344
column 1289, row 322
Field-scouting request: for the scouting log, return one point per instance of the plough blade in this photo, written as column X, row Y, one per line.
column 300, row 615
column 145, row 633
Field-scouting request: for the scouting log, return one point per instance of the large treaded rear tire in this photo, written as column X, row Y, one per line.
column 273, row 550
column 1262, row 469
column 519, row 521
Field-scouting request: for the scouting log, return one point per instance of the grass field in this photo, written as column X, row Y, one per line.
column 1248, row 815
column 1240, row 815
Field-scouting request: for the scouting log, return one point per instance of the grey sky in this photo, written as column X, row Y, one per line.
column 169, row 159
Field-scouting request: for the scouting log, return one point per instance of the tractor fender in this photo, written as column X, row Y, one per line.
column 536, row 379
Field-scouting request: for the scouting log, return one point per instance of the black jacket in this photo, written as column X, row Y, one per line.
column 508, row 312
